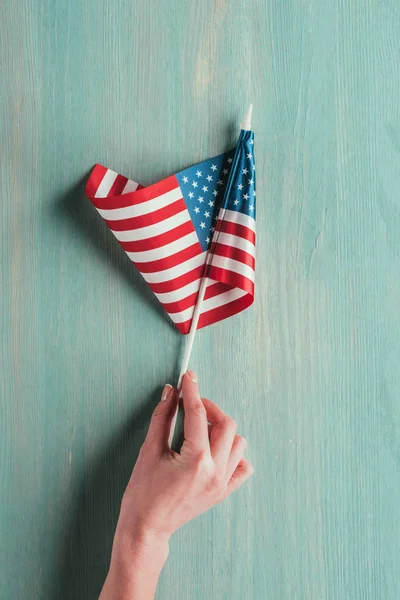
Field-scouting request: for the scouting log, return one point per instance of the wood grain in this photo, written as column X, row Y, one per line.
column 310, row 373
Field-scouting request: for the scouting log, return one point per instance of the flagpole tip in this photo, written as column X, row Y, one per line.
column 246, row 123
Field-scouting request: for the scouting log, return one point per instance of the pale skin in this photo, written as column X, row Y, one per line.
column 167, row 489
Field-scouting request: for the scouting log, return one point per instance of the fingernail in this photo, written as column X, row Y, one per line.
column 166, row 392
column 192, row 375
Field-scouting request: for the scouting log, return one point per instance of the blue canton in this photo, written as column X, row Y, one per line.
column 204, row 185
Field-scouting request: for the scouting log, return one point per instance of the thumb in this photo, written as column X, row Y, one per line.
column 157, row 435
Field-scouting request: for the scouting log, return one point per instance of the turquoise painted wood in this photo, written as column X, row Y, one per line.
column 310, row 373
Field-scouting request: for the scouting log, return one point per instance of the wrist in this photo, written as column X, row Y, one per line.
column 137, row 559
column 139, row 549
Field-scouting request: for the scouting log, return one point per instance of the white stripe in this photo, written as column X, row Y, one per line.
column 229, row 239
column 234, row 216
column 223, row 262
column 209, row 304
column 180, row 293
column 130, row 186
column 142, row 208
column 177, row 271
column 106, row 183
column 143, row 233
column 167, row 250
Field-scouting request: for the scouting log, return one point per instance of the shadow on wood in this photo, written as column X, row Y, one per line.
column 86, row 548
column 82, row 217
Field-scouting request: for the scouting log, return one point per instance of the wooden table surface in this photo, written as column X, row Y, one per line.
column 310, row 372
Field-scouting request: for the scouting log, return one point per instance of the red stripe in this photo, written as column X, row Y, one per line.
column 149, row 219
column 215, row 289
column 180, row 305
column 136, row 197
column 235, row 254
column 218, row 314
column 168, row 262
column 232, row 279
column 236, row 229
column 159, row 240
column 94, row 180
column 225, row 311
column 175, row 284
column 117, row 186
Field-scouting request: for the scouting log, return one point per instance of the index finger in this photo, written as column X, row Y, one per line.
column 195, row 420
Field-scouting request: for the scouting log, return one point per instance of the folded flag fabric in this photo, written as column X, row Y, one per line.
column 167, row 228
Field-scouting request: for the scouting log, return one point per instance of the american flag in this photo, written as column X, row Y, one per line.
column 167, row 228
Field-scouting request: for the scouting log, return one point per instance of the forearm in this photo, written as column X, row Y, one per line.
column 136, row 564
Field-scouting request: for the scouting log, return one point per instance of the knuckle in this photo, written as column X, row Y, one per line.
column 216, row 483
column 230, row 424
column 200, row 463
column 158, row 412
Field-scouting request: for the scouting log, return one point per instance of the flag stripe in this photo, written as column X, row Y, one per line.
column 143, row 208
column 233, row 265
column 157, row 241
column 228, row 239
column 173, row 215
column 231, row 216
column 225, row 311
column 234, row 253
column 118, row 185
column 176, row 271
column 178, row 282
column 209, row 304
column 143, row 194
column 182, row 292
column 163, row 252
column 236, row 229
column 131, row 186
column 106, row 183
column 213, row 289
column 231, row 278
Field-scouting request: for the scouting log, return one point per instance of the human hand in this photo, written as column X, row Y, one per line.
column 167, row 489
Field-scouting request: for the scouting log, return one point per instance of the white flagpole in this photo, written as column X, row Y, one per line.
column 246, row 126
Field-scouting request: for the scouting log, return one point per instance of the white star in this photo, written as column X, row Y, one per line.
column 196, row 209
column 240, row 186
column 204, row 188
column 209, row 178
column 202, row 225
column 207, row 240
column 236, row 202
column 244, row 171
column 254, row 193
column 191, row 195
column 213, row 229
column 207, row 214
column 230, row 160
column 194, row 183
column 215, row 193
column 220, row 182
column 198, row 173
column 249, row 155
column 245, row 196
column 211, row 203
column 252, row 142
column 254, row 167
column 200, row 199
column 251, row 207
column 185, row 180
column 251, row 181
column 225, row 171
column 214, row 167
